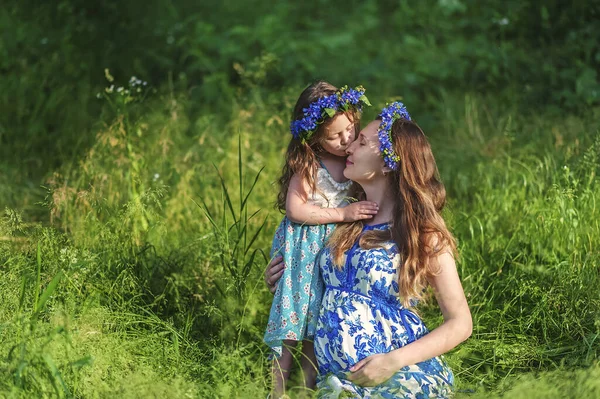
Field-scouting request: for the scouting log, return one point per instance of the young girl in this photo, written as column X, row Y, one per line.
column 313, row 191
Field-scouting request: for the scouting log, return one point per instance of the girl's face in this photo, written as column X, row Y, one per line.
column 364, row 162
column 339, row 134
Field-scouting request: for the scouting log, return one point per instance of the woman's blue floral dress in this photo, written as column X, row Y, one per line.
column 298, row 297
column 361, row 315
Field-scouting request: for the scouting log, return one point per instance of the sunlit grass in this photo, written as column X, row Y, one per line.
column 160, row 254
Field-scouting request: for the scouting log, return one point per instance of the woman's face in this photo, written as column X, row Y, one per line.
column 339, row 135
column 364, row 162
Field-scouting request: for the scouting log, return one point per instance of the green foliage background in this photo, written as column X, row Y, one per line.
column 136, row 223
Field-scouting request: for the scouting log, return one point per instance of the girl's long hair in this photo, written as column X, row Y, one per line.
column 418, row 228
column 302, row 158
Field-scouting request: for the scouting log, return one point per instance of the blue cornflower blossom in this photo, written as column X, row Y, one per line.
column 389, row 115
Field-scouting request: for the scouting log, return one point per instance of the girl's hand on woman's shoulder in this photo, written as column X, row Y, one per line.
column 360, row 210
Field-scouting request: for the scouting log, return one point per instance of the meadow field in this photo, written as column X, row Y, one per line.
column 140, row 143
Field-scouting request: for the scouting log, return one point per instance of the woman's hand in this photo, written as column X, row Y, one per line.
column 273, row 273
column 373, row 370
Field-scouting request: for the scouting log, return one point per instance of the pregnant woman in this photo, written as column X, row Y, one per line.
column 370, row 343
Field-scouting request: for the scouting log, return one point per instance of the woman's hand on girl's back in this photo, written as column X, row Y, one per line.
column 274, row 272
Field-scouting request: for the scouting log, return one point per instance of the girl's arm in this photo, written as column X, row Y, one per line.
column 456, row 328
column 300, row 211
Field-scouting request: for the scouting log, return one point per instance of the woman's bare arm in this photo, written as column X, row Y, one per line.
column 456, row 328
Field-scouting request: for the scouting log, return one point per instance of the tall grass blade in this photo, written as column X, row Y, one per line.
column 38, row 276
column 22, row 292
column 252, row 187
column 248, row 265
column 48, row 291
column 240, row 171
column 206, row 212
column 226, row 193
column 238, row 240
column 255, row 236
column 219, row 288
column 56, row 377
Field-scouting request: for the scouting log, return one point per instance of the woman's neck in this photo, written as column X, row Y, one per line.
column 379, row 192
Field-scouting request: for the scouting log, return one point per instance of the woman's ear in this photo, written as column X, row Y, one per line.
column 386, row 170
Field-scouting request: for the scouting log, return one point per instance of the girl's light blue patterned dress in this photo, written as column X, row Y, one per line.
column 298, row 297
column 361, row 315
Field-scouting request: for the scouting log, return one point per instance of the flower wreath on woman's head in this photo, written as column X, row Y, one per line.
column 389, row 115
column 326, row 107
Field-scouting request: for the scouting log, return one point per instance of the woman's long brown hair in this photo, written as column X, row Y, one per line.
column 302, row 158
column 418, row 227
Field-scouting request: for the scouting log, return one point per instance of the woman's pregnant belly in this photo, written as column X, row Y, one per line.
column 352, row 326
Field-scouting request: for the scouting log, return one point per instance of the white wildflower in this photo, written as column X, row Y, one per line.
column 134, row 81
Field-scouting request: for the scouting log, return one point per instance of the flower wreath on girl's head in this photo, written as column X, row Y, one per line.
column 389, row 115
column 326, row 107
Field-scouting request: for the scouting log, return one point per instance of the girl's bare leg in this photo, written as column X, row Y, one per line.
column 309, row 364
column 281, row 368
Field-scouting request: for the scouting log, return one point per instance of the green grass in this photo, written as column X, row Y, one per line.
column 157, row 299
column 134, row 227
